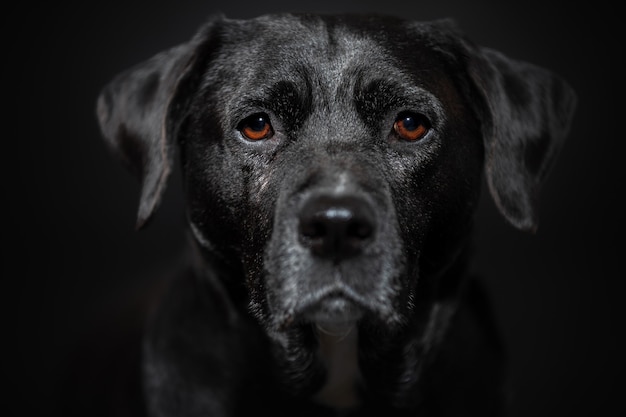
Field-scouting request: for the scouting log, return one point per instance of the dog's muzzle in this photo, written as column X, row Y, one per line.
column 335, row 228
column 334, row 257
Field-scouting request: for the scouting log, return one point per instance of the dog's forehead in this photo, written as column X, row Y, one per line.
column 319, row 43
column 306, row 35
column 328, row 47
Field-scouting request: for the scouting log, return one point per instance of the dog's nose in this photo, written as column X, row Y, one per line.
column 336, row 227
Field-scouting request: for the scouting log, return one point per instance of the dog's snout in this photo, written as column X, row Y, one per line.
column 336, row 227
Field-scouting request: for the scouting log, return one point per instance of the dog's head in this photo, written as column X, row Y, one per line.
column 336, row 161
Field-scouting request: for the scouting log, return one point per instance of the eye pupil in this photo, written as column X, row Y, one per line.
column 410, row 123
column 256, row 127
column 257, row 124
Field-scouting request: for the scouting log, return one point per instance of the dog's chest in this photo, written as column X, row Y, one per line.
column 338, row 351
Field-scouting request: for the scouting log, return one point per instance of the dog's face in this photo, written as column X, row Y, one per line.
column 336, row 161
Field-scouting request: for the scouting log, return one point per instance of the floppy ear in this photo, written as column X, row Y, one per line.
column 141, row 110
column 526, row 117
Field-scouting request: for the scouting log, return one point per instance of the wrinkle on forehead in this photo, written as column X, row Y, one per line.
column 327, row 58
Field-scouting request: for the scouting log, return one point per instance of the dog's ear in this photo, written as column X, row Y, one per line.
column 526, row 115
column 141, row 109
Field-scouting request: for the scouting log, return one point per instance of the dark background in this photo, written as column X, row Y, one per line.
column 76, row 275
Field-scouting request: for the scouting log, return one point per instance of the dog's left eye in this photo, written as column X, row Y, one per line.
column 411, row 126
column 256, row 127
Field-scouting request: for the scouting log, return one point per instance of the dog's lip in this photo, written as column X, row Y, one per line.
column 333, row 305
column 332, row 311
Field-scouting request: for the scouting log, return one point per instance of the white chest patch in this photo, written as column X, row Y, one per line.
column 338, row 350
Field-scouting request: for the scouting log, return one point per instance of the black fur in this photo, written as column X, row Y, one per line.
column 334, row 226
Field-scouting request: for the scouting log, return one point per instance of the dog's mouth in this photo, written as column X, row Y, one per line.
column 333, row 311
column 335, row 306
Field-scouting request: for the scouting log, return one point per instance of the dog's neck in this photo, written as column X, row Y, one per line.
column 338, row 351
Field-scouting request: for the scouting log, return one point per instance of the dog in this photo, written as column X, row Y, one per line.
column 331, row 169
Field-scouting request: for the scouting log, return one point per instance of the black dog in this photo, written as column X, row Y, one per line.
column 332, row 165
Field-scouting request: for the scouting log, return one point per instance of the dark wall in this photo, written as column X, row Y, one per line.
column 76, row 275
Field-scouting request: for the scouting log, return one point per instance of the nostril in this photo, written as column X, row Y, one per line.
column 313, row 228
column 336, row 227
column 359, row 230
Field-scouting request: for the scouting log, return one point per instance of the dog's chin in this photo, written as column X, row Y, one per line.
column 333, row 314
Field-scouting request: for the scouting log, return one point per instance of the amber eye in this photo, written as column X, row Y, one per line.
column 411, row 126
column 256, row 127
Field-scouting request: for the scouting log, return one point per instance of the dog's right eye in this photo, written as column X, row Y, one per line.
column 256, row 127
column 411, row 126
